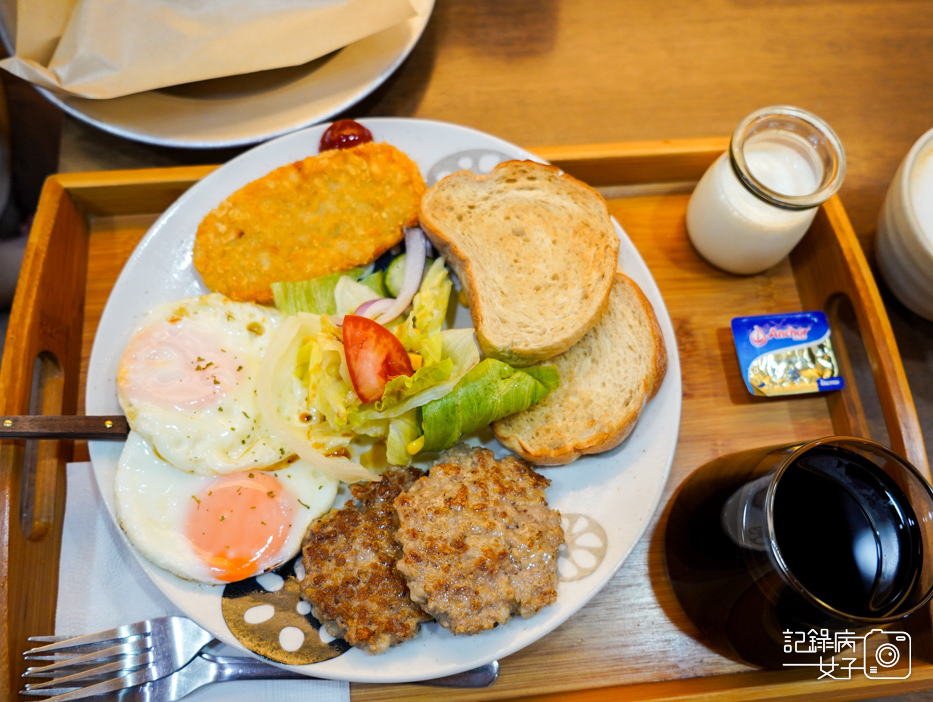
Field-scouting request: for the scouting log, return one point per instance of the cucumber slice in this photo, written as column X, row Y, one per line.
column 376, row 283
column 394, row 275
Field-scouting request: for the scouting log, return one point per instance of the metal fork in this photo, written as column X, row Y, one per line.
column 208, row 668
column 133, row 654
column 152, row 657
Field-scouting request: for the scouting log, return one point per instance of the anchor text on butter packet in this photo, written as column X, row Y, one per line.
column 879, row 654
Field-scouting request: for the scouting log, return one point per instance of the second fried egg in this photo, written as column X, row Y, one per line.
column 219, row 528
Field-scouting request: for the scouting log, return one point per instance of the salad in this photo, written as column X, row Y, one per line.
column 363, row 373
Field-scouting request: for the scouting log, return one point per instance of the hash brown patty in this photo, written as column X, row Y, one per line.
column 330, row 212
column 350, row 578
column 479, row 540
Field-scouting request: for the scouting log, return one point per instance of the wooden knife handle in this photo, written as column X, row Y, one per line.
column 40, row 426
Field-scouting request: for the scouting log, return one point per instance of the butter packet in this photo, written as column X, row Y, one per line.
column 786, row 354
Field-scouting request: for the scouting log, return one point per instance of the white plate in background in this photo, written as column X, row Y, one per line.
column 247, row 109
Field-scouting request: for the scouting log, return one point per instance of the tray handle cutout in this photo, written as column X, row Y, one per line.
column 42, row 458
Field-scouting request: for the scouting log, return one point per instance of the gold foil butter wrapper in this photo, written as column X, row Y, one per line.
column 786, row 354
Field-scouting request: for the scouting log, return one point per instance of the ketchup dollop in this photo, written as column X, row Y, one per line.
column 344, row 134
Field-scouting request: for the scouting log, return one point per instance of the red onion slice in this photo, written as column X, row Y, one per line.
column 372, row 307
column 386, row 309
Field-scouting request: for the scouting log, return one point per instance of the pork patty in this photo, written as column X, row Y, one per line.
column 479, row 540
column 350, row 578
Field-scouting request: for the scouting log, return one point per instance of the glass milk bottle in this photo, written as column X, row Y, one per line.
column 757, row 200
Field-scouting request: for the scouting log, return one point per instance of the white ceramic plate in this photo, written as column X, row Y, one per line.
column 240, row 110
column 606, row 501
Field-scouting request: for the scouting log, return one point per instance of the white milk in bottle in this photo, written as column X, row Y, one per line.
column 757, row 200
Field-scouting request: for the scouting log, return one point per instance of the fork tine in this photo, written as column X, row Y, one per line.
column 88, row 679
column 113, row 667
column 46, row 693
column 38, row 673
column 138, row 677
column 54, row 657
column 125, row 631
column 61, row 661
column 65, row 694
column 41, row 654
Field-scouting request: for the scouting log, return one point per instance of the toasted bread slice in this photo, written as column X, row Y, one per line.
column 606, row 379
column 535, row 251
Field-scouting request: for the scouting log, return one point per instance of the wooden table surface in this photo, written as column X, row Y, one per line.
column 551, row 72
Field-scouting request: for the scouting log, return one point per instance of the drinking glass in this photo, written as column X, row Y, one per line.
column 834, row 534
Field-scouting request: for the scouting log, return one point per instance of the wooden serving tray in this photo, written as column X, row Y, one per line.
column 632, row 641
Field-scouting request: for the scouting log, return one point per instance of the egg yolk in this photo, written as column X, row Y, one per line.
column 179, row 365
column 239, row 524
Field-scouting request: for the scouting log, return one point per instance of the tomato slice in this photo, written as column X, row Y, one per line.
column 374, row 356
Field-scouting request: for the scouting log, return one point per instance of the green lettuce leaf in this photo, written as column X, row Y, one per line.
column 314, row 296
column 458, row 348
column 429, row 306
column 431, row 348
column 329, row 388
column 428, row 310
column 350, row 294
column 404, row 386
column 489, row 391
column 283, row 399
column 402, row 431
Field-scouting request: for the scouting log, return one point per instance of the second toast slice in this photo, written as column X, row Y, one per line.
column 606, row 379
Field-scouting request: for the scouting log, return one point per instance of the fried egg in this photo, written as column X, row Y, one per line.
column 187, row 383
column 220, row 528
